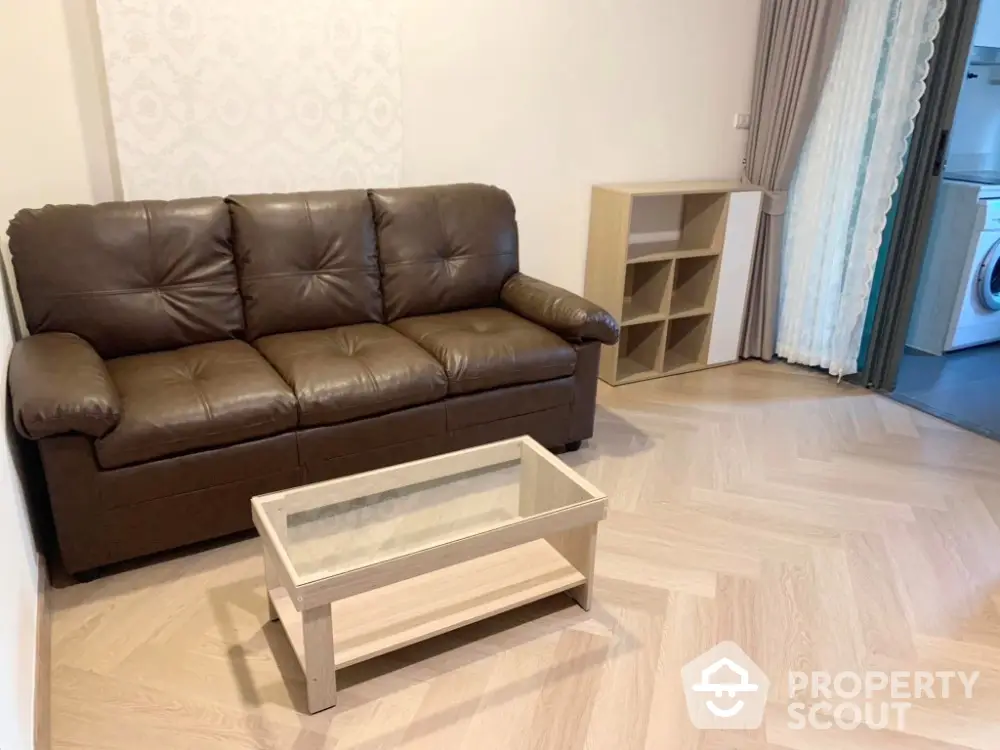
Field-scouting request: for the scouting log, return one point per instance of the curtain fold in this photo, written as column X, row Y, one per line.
column 847, row 174
column 796, row 40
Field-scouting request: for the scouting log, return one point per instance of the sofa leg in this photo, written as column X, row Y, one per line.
column 574, row 446
column 86, row 576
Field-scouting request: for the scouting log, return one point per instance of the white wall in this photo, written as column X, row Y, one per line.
column 975, row 136
column 987, row 32
column 18, row 588
column 546, row 97
column 43, row 159
column 541, row 97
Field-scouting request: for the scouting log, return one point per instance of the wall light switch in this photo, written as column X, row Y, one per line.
column 742, row 121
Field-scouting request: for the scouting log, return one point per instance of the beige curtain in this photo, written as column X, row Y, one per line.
column 795, row 44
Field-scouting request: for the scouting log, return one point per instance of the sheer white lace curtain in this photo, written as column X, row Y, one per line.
column 846, row 176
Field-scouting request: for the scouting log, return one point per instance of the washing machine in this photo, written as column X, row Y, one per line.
column 958, row 296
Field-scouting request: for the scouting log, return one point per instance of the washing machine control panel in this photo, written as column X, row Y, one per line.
column 992, row 215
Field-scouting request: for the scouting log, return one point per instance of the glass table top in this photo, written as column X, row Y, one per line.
column 332, row 527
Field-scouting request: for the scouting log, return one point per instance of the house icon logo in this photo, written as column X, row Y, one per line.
column 724, row 689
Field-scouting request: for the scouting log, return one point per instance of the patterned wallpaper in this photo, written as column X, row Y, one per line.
column 211, row 97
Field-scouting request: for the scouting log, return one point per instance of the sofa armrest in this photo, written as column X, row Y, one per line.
column 562, row 312
column 59, row 384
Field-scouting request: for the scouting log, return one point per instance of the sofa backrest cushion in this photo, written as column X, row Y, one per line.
column 128, row 277
column 306, row 261
column 444, row 247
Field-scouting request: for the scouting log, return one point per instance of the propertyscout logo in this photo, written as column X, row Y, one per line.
column 877, row 700
column 725, row 689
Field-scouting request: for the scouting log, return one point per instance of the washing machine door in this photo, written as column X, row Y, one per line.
column 988, row 280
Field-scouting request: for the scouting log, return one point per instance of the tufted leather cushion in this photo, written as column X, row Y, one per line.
column 354, row 371
column 444, row 248
column 488, row 348
column 193, row 398
column 315, row 248
column 128, row 277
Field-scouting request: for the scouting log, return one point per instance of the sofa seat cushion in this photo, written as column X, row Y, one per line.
column 194, row 398
column 489, row 348
column 349, row 372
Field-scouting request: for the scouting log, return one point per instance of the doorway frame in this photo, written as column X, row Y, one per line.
column 917, row 195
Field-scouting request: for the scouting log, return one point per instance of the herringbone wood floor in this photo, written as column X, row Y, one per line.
column 819, row 526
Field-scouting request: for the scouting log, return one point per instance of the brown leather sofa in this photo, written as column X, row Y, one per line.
column 186, row 355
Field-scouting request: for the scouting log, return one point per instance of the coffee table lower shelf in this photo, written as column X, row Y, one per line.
column 385, row 619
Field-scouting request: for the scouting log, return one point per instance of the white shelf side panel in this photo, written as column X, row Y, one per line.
column 734, row 277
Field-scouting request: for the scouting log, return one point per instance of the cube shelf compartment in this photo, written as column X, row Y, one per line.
column 640, row 350
column 646, row 292
column 659, row 225
column 694, row 279
column 687, row 343
column 655, row 260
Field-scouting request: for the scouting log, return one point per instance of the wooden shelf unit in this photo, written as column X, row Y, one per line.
column 657, row 255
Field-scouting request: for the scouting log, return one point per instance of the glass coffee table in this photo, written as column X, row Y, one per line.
column 359, row 566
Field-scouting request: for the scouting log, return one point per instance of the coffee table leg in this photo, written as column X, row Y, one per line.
column 272, row 582
column 321, row 676
column 579, row 547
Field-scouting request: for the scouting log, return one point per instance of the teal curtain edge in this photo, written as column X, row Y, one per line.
column 883, row 252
